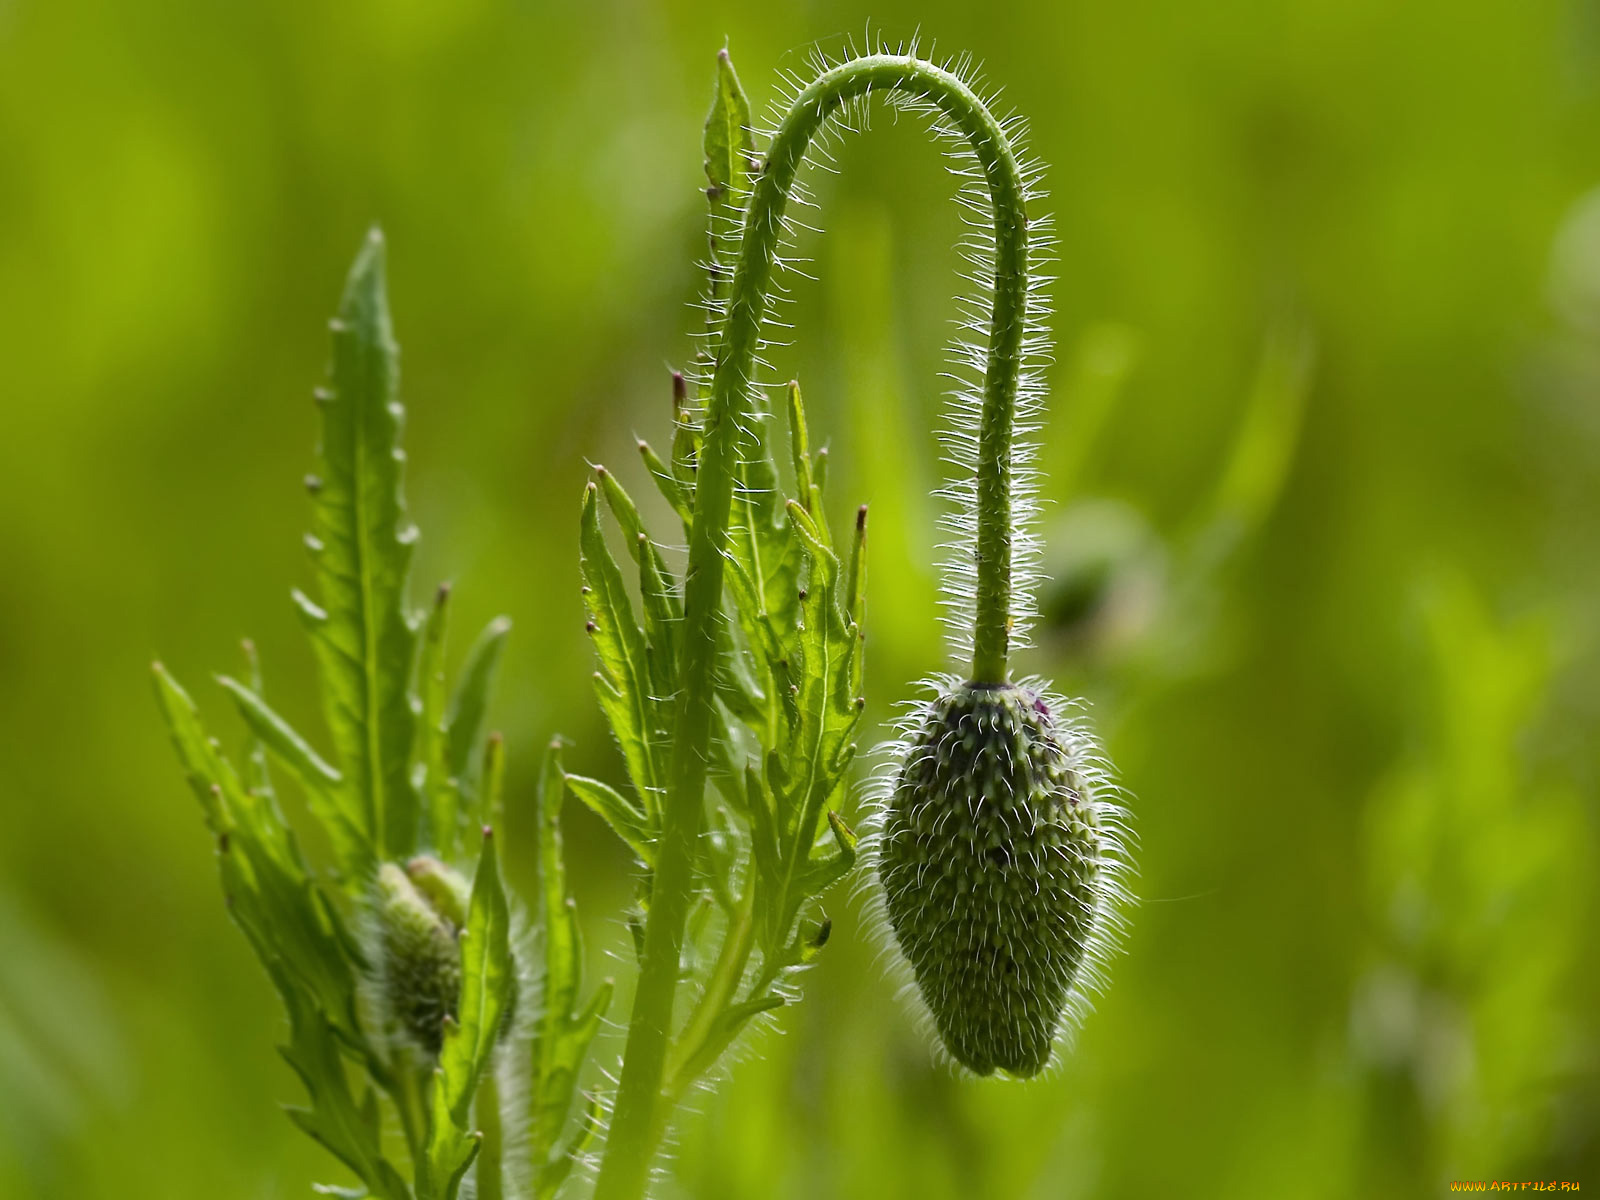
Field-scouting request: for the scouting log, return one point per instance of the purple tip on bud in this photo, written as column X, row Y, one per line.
column 488, row 832
column 680, row 392
column 1040, row 707
column 442, row 593
column 861, row 519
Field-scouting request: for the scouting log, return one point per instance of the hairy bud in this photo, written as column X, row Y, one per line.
column 992, row 863
column 420, row 909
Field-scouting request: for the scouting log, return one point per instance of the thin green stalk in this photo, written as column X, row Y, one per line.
column 638, row 1119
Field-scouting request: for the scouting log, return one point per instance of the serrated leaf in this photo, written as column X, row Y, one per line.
column 662, row 609
column 321, row 783
column 361, row 541
column 349, row 1131
column 623, row 685
column 271, row 896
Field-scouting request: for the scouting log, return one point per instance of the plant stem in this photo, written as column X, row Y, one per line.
column 636, row 1123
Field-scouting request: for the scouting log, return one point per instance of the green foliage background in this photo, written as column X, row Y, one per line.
column 1323, row 466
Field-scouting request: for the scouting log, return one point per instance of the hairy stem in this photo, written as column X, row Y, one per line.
column 637, row 1120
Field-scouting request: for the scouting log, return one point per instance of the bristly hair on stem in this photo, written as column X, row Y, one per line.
column 997, row 364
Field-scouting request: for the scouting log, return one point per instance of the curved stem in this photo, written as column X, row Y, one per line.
column 630, row 1145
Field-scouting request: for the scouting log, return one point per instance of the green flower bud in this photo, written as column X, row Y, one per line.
column 420, row 960
column 444, row 888
column 997, row 871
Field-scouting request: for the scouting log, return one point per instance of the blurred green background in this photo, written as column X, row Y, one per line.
column 1323, row 534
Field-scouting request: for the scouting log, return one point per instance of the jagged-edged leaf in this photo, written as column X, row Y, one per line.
column 487, row 980
column 630, row 824
column 350, row 1131
column 322, row 784
column 659, row 600
column 623, row 683
column 361, row 541
column 271, row 896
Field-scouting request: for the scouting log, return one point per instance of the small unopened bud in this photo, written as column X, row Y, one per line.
column 991, row 866
column 420, row 961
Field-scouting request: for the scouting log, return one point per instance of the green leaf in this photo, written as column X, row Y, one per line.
column 259, row 775
column 361, row 541
column 470, row 703
column 487, row 981
column 351, row 1132
column 636, row 714
column 561, row 1038
column 729, row 146
column 494, row 780
column 662, row 609
column 548, row 1181
column 627, row 822
column 563, row 960
column 321, row 783
column 431, row 773
column 667, row 484
column 486, row 984
column 289, row 922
